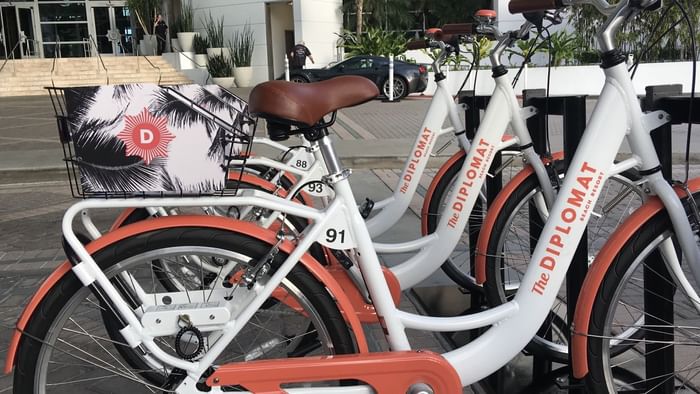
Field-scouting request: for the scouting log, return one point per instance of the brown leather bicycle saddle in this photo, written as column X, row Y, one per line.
column 304, row 104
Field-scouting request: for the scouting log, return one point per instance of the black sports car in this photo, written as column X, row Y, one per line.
column 408, row 77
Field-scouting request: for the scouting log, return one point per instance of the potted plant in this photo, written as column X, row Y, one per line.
column 201, row 45
column 221, row 71
column 145, row 12
column 242, row 52
column 215, row 36
column 186, row 35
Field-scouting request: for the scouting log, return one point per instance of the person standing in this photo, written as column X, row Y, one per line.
column 298, row 56
column 161, row 31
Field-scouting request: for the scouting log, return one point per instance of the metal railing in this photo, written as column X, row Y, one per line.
column 31, row 50
column 135, row 45
column 12, row 55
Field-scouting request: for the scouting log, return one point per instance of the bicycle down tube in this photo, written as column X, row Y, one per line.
column 442, row 106
column 488, row 140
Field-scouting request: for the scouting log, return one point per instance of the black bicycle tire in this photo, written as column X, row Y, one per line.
column 626, row 255
column 50, row 306
column 493, row 290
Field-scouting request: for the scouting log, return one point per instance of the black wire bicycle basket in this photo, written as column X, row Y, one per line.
column 144, row 140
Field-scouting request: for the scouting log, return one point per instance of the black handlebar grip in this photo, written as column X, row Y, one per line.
column 458, row 29
column 417, row 44
column 520, row 6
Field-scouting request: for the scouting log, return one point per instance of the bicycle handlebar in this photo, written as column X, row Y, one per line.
column 458, row 28
column 521, row 6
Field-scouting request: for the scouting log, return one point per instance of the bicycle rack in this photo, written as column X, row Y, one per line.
column 658, row 294
column 573, row 109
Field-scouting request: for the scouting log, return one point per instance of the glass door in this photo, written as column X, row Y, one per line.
column 113, row 30
column 29, row 46
column 122, row 23
column 3, row 38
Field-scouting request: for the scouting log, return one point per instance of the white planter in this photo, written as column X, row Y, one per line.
column 201, row 61
column 224, row 82
column 148, row 46
column 186, row 40
column 244, row 76
column 175, row 45
column 226, row 52
column 186, row 60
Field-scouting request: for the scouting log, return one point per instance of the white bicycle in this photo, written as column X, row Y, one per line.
column 218, row 332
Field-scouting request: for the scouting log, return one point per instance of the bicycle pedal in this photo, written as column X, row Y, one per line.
column 563, row 383
column 366, row 208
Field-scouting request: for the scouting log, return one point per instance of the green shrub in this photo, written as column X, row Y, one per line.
column 242, row 46
column 215, row 31
column 374, row 41
column 200, row 45
column 219, row 67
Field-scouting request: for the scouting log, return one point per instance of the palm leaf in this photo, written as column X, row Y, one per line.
column 124, row 92
column 104, row 165
column 79, row 100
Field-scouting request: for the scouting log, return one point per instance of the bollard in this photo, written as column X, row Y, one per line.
column 286, row 68
column 391, row 77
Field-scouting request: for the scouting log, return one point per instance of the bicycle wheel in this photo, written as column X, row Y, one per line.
column 638, row 294
column 292, row 225
column 67, row 347
column 516, row 231
column 457, row 266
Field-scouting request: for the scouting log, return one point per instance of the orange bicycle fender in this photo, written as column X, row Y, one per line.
column 490, row 220
column 433, row 186
column 214, row 222
column 596, row 273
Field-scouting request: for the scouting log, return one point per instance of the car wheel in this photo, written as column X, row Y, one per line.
column 298, row 79
column 400, row 88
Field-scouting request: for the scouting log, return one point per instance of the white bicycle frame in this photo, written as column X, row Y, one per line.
column 433, row 249
column 389, row 210
column 514, row 323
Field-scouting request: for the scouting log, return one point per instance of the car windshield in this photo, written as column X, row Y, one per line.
column 354, row 63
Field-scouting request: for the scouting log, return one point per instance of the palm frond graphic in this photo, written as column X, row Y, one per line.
column 103, row 163
column 181, row 115
column 79, row 101
column 125, row 92
column 236, row 104
column 136, row 178
column 173, row 183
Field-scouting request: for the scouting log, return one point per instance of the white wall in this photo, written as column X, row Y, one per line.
column 576, row 80
column 315, row 22
column 281, row 19
column 506, row 20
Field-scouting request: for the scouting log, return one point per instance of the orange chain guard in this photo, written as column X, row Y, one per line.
column 386, row 373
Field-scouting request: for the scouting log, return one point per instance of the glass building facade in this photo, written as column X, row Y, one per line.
column 69, row 28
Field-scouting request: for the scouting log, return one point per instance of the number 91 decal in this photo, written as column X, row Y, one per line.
column 336, row 234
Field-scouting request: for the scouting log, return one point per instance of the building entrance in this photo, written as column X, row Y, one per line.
column 18, row 32
column 112, row 29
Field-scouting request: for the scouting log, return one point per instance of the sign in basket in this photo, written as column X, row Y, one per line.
column 146, row 139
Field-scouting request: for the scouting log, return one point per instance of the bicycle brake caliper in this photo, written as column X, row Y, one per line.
column 691, row 207
column 262, row 266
